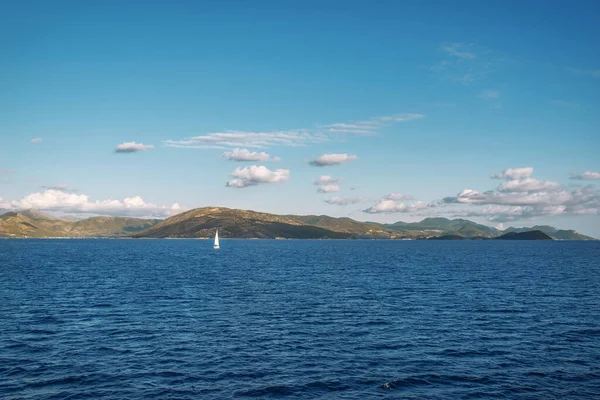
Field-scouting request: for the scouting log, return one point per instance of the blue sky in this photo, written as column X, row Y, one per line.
column 432, row 97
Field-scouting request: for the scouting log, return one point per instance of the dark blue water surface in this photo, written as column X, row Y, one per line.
column 159, row 319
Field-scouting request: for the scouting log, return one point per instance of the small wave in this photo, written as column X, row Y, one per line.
column 268, row 391
column 431, row 379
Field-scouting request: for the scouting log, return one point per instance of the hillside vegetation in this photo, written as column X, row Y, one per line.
column 202, row 223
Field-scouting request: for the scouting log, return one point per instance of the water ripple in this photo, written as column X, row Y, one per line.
column 163, row 319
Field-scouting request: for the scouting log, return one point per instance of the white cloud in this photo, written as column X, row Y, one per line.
column 343, row 201
column 36, row 140
column 6, row 181
column 328, row 188
column 6, row 171
column 57, row 200
column 514, row 173
column 132, row 147
column 489, row 94
column 256, row 175
column 332, row 159
column 529, row 185
column 586, row 175
column 388, row 206
column 326, row 179
column 238, row 154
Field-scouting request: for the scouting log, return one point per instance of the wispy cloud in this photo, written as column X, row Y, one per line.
column 594, row 73
column 489, row 95
column 343, row 201
column 292, row 137
column 371, row 126
column 459, row 50
column 586, row 175
column 564, row 103
column 58, row 200
column 227, row 139
column 6, row 171
column 36, row 140
column 240, row 155
column 257, row 175
column 464, row 63
column 326, row 180
column 132, row 147
column 328, row 188
column 6, row 181
column 398, row 196
column 61, row 187
column 332, row 159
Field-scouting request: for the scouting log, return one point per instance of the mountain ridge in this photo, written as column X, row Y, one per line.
column 201, row 223
column 32, row 223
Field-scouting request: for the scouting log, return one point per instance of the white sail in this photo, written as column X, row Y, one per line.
column 216, row 246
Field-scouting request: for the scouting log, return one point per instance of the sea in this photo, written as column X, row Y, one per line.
column 299, row 319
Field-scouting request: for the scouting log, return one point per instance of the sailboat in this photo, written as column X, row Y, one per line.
column 216, row 245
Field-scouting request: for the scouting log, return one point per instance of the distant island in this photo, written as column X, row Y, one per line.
column 524, row 235
column 234, row 223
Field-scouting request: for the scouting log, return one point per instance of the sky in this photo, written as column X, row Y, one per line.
column 379, row 111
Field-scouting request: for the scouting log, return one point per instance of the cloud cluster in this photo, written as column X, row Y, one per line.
column 586, row 175
column 58, row 200
column 239, row 155
column 332, row 159
column 36, row 140
column 522, row 196
column 132, row 147
column 343, row 201
column 256, row 175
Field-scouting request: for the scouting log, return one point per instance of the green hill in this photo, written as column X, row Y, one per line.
column 461, row 227
column 529, row 235
column 202, row 222
column 558, row 234
column 32, row 223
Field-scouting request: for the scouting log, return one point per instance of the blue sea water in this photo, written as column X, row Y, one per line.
column 175, row 319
